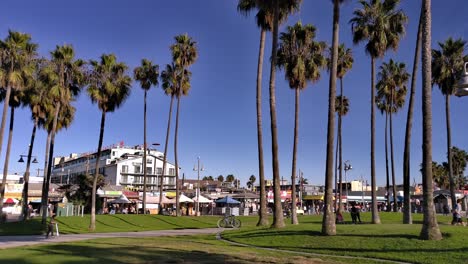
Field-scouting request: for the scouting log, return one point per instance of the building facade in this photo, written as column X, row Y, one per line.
column 120, row 165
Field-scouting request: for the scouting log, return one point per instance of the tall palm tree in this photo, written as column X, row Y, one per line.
column 170, row 78
column 17, row 53
column 328, row 222
column 391, row 88
column 382, row 25
column 446, row 63
column 302, row 59
column 148, row 75
column 288, row 6
column 184, row 53
column 37, row 100
column 252, row 180
column 342, row 108
column 407, row 216
column 345, row 63
column 430, row 228
column 383, row 106
column 264, row 19
column 109, row 86
column 64, row 75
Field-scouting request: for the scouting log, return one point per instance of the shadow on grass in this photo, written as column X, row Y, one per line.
column 268, row 233
column 164, row 220
column 124, row 220
column 118, row 253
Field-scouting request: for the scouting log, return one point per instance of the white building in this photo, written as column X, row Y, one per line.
column 121, row 166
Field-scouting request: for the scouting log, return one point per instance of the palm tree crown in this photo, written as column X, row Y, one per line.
column 446, row 64
column 265, row 13
column 171, row 77
column 391, row 87
column 109, row 85
column 301, row 56
column 345, row 61
column 380, row 23
column 147, row 74
column 341, row 111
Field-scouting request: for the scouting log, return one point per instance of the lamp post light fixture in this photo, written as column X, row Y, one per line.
column 21, row 160
column 347, row 167
column 462, row 84
column 198, row 169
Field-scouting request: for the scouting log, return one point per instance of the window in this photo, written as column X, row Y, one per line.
column 172, row 171
column 172, row 181
column 137, row 168
column 149, row 170
column 124, row 179
column 113, row 153
column 124, row 168
column 149, row 161
column 158, row 171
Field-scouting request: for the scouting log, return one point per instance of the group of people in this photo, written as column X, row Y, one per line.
column 355, row 215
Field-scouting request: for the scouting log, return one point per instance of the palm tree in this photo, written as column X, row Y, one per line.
column 17, row 53
column 459, row 162
column 36, row 98
column 345, row 63
column 391, row 90
column 407, row 217
column 64, row 75
column 445, row 65
column 277, row 7
column 382, row 105
column 382, row 25
column 184, row 53
column 170, row 79
column 302, row 59
column 264, row 19
column 430, row 228
column 109, row 86
column 342, row 108
column 252, row 180
column 328, row 222
column 220, row 178
column 147, row 74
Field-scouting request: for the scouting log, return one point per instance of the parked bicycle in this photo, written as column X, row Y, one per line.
column 229, row 221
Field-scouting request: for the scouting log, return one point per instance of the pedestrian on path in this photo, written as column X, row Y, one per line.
column 50, row 226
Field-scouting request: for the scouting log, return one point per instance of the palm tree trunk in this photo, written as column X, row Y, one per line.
column 375, row 211
column 430, row 228
column 395, row 200
column 179, row 94
column 25, row 214
column 144, row 154
column 7, row 154
column 337, row 202
column 340, row 157
column 45, row 194
column 294, row 220
column 6, row 103
column 44, row 180
column 278, row 211
column 328, row 222
column 161, row 180
column 407, row 217
column 263, row 216
column 92, row 224
column 387, row 187
column 449, row 151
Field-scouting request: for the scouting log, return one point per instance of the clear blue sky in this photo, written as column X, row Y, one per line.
column 218, row 118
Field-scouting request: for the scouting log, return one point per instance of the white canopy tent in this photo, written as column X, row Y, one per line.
column 203, row 199
column 184, row 199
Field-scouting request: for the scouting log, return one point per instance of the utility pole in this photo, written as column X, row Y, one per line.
column 198, row 168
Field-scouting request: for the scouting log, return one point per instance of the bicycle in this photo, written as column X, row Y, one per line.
column 229, row 221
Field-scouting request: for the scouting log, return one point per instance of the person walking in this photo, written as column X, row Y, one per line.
column 50, row 226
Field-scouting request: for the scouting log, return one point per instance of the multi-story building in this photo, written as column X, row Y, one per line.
column 120, row 165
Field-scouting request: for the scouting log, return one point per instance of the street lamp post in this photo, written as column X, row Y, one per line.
column 24, row 214
column 198, row 169
column 347, row 167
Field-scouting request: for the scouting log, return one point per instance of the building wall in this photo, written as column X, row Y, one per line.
column 122, row 166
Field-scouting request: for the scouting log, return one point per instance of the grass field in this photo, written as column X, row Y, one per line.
column 390, row 240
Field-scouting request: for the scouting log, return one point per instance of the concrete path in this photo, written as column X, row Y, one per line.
column 17, row 241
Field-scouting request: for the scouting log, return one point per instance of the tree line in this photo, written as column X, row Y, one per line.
column 380, row 25
column 48, row 86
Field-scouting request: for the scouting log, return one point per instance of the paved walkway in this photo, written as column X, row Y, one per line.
column 17, row 241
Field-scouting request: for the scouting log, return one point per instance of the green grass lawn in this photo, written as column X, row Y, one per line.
column 390, row 240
